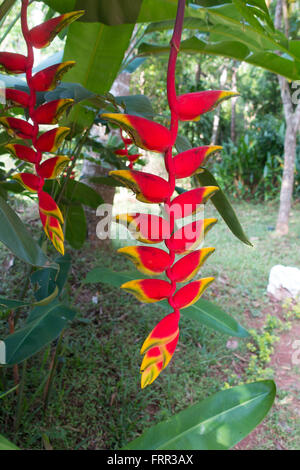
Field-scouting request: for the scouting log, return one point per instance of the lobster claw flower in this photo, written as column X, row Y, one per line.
column 52, row 167
column 48, row 206
column 48, row 78
column 11, row 62
column 192, row 105
column 53, row 231
column 50, row 141
column 148, row 188
column 188, row 163
column 190, row 202
column 28, row 180
column 187, row 267
column 49, row 113
column 16, row 97
column 146, row 134
column 190, row 236
column 159, row 348
column 17, row 127
column 43, row 34
column 147, row 228
column 121, row 152
column 22, row 152
column 148, row 290
column 190, row 293
column 134, row 158
column 148, row 260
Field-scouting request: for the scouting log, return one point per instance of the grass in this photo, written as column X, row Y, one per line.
column 96, row 401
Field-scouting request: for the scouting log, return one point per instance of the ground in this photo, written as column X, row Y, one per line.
column 96, row 401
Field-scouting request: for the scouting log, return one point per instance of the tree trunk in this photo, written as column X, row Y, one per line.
column 292, row 120
column 233, row 102
column 216, row 120
column 287, row 184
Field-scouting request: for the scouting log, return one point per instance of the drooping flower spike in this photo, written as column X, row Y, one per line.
column 48, row 113
column 161, row 343
column 124, row 153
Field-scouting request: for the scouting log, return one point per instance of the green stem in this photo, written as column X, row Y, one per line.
column 5, row 7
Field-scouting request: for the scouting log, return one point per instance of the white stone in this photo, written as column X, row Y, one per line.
column 284, row 278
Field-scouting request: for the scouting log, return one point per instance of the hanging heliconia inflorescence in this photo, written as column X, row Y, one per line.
column 124, row 153
column 161, row 343
column 48, row 113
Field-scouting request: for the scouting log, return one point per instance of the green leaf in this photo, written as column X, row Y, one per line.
column 44, row 325
column 76, row 192
column 223, row 206
column 98, row 51
column 7, row 445
column 17, row 239
column 216, row 423
column 76, row 227
column 11, row 303
column 139, row 105
column 202, row 311
column 114, row 12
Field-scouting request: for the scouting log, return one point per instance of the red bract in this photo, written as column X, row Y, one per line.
column 148, row 188
column 190, row 293
column 192, row 105
column 48, row 78
column 147, row 259
column 190, row 202
column 147, row 228
column 50, row 113
column 23, row 152
column 189, row 162
column 148, row 290
column 12, row 63
column 17, row 127
column 42, row 35
column 148, row 135
column 187, row 267
column 51, row 140
column 52, row 167
column 16, row 97
column 28, row 180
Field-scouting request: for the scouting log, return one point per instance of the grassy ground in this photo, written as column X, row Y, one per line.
column 96, row 401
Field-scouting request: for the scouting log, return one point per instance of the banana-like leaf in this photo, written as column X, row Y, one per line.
column 76, row 226
column 43, row 325
column 5, row 444
column 202, row 311
column 216, row 423
column 17, row 239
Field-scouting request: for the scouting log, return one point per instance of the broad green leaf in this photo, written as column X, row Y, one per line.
column 76, row 227
column 75, row 192
column 17, row 239
column 7, row 445
column 11, row 303
column 139, row 105
column 216, row 423
column 223, row 206
column 114, row 12
column 44, row 326
column 98, row 51
column 202, row 311
column 49, row 280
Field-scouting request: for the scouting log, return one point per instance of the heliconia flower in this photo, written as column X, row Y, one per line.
column 147, row 228
column 121, row 152
column 17, row 127
column 52, row 167
column 53, row 231
column 148, row 290
column 148, row 260
column 50, row 141
column 127, row 141
column 49, row 113
column 11, row 62
column 42, row 35
column 48, row 78
column 190, row 236
column 148, row 188
column 159, row 348
column 190, row 293
column 28, row 180
column 190, row 202
column 17, row 97
column 22, row 152
column 133, row 158
column 187, row 267
column 188, row 163
column 48, row 206
column 192, row 105
column 146, row 134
